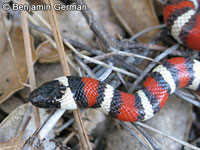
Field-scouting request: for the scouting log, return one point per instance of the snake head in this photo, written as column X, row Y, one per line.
column 49, row 95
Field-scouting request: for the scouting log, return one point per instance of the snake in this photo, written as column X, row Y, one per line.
column 73, row 92
column 183, row 21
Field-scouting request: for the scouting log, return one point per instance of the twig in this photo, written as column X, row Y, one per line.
column 69, row 137
column 42, row 20
column 106, row 73
column 127, row 66
column 122, row 80
column 197, row 95
column 121, row 53
column 95, row 26
column 190, row 100
column 151, row 65
column 167, row 136
column 147, row 30
column 67, row 124
column 186, row 94
column 84, row 66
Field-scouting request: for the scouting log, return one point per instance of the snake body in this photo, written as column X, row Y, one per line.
column 70, row 92
column 182, row 19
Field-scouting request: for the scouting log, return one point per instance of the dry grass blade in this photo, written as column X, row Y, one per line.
column 147, row 30
column 84, row 140
column 29, row 60
column 137, row 134
column 28, row 49
column 58, row 39
column 21, row 134
column 167, row 136
column 188, row 99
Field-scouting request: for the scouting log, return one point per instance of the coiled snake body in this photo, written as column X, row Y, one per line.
column 69, row 92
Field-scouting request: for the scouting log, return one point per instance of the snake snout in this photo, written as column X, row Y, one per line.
column 48, row 95
column 34, row 98
column 38, row 99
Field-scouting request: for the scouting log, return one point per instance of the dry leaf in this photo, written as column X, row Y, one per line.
column 11, row 103
column 3, row 39
column 9, row 79
column 135, row 16
column 47, row 53
column 10, row 126
column 8, row 145
column 104, row 15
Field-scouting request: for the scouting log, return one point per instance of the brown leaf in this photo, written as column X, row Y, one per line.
column 3, row 39
column 104, row 15
column 135, row 16
column 8, row 145
column 9, row 79
column 47, row 53
column 11, row 103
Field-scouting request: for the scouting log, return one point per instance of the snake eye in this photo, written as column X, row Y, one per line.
column 62, row 87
